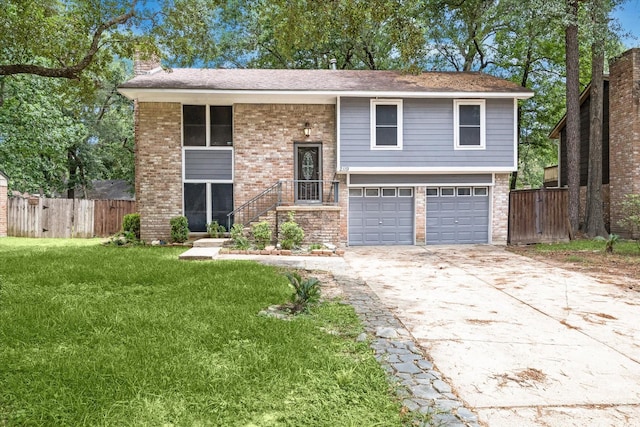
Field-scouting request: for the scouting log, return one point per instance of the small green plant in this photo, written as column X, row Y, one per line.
column 314, row 246
column 305, row 292
column 239, row 240
column 291, row 234
column 179, row 229
column 631, row 215
column 124, row 238
column 215, row 230
column 609, row 242
column 261, row 234
column 131, row 224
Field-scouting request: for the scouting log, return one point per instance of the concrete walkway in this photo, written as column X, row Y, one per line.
column 521, row 342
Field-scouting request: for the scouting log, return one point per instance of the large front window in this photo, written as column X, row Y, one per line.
column 207, row 164
column 386, row 124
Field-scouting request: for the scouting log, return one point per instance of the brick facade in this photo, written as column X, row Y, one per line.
column 264, row 138
column 321, row 224
column 3, row 206
column 624, row 133
column 420, row 201
column 158, row 161
column 500, row 209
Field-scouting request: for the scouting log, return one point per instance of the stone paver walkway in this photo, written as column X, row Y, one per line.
column 420, row 385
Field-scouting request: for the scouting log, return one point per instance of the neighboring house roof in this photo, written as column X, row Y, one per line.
column 114, row 189
column 555, row 132
column 324, row 82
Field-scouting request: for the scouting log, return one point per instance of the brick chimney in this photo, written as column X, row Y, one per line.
column 144, row 66
column 624, row 132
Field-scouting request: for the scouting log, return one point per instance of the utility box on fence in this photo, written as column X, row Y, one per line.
column 4, row 184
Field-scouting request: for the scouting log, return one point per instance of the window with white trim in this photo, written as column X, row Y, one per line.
column 217, row 119
column 386, row 124
column 469, row 124
column 355, row 192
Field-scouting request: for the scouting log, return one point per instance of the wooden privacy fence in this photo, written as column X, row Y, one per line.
column 39, row 217
column 538, row 216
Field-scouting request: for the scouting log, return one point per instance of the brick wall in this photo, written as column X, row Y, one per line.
column 158, row 167
column 321, row 224
column 500, row 209
column 624, row 133
column 3, row 206
column 344, row 209
column 263, row 142
column 421, row 215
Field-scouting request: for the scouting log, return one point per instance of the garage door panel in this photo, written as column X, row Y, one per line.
column 381, row 220
column 457, row 219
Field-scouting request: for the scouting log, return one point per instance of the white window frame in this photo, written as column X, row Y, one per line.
column 437, row 189
column 387, row 190
column 481, row 191
column 459, row 190
column 355, row 192
column 452, row 189
column 367, row 190
column 456, row 124
column 406, row 190
column 374, row 104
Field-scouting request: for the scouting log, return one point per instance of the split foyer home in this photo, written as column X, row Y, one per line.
column 361, row 157
column 620, row 139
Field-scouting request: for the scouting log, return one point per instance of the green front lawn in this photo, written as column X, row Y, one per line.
column 93, row 335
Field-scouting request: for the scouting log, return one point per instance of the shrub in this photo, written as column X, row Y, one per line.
column 179, row 229
column 609, row 242
column 239, row 240
column 631, row 215
column 291, row 234
column 215, row 230
column 305, row 292
column 131, row 224
column 261, row 234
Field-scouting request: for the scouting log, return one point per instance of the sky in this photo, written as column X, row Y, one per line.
column 628, row 16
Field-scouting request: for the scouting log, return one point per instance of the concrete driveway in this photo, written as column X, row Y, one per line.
column 521, row 342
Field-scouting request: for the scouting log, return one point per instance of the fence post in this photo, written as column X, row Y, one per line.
column 3, row 204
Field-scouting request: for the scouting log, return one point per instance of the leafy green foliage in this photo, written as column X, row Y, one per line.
column 291, row 234
column 305, row 292
column 631, row 214
column 131, row 224
column 179, row 229
column 609, row 242
column 261, row 232
column 238, row 239
column 216, row 230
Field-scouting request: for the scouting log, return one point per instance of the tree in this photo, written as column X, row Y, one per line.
column 572, row 51
column 56, row 38
column 594, row 220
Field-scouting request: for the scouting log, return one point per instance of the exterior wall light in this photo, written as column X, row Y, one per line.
column 307, row 129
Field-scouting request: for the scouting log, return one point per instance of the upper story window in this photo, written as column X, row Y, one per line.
column 197, row 119
column 386, row 124
column 469, row 124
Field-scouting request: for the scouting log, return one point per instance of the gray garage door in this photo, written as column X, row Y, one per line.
column 381, row 216
column 457, row 215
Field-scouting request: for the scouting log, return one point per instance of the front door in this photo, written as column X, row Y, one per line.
column 308, row 173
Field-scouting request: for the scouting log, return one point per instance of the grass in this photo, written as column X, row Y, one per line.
column 93, row 335
column 622, row 247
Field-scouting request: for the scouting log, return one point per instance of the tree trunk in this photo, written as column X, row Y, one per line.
column 573, row 115
column 594, row 221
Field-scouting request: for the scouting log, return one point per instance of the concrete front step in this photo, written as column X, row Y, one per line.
column 209, row 243
column 200, row 253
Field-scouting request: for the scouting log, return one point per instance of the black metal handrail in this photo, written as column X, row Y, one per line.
column 259, row 205
column 285, row 192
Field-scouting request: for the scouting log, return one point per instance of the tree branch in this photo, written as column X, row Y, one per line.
column 71, row 71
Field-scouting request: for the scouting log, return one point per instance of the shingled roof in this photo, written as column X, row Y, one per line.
column 334, row 81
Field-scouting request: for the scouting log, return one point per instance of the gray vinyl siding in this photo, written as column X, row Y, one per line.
column 210, row 165
column 414, row 179
column 427, row 136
